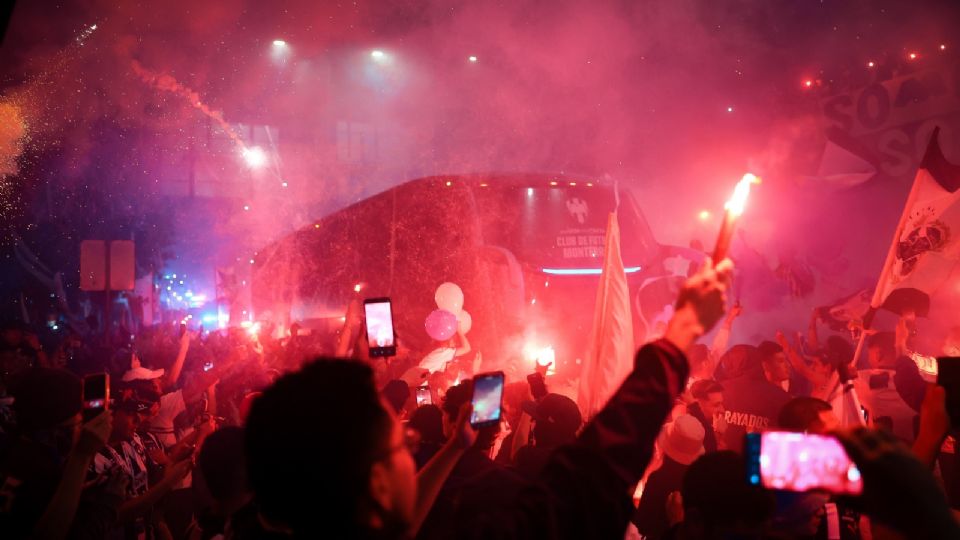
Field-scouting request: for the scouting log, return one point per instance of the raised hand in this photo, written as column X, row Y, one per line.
column 897, row 488
column 705, row 292
column 463, row 434
column 95, row 433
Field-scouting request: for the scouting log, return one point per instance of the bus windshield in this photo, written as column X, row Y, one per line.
column 560, row 228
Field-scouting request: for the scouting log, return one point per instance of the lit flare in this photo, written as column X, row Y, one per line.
column 738, row 201
column 734, row 208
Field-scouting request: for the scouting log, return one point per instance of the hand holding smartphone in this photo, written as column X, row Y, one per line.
column 381, row 338
column 487, row 399
column 800, row 462
column 96, row 395
column 423, row 396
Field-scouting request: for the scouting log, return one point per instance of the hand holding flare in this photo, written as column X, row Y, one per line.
column 733, row 209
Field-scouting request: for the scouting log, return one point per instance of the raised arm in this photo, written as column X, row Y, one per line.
column 722, row 339
column 170, row 379
column 60, row 512
column 583, row 490
column 799, row 364
column 464, row 347
column 352, row 321
column 436, row 471
column 521, row 433
column 934, row 425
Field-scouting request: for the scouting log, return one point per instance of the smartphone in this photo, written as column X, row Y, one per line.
column 800, row 462
column 948, row 376
column 423, row 396
column 380, row 336
column 487, row 399
column 96, row 395
column 183, row 329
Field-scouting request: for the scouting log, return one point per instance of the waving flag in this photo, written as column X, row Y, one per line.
column 610, row 356
column 841, row 168
column 842, row 312
column 926, row 245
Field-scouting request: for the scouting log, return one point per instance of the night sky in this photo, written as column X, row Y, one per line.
column 112, row 114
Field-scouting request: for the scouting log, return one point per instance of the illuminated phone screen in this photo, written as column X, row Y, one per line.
column 802, row 462
column 379, row 324
column 487, row 399
column 96, row 394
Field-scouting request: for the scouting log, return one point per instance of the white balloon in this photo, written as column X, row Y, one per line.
column 465, row 322
column 449, row 297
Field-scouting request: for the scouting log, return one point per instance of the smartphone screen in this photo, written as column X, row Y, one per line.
column 96, row 395
column 380, row 336
column 948, row 376
column 487, row 399
column 800, row 462
column 423, row 396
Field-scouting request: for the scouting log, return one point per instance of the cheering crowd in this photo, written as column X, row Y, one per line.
column 228, row 436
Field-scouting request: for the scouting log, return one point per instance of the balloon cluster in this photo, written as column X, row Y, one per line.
column 449, row 317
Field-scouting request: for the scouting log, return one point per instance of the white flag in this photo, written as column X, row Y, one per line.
column 610, row 357
column 926, row 246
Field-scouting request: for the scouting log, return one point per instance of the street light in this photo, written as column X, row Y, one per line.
column 280, row 51
column 255, row 157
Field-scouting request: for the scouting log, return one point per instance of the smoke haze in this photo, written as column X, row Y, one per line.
column 673, row 100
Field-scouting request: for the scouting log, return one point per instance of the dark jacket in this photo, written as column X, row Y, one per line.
column 475, row 483
column 651, row 515
column 751, row 404
column 583, row 492
column 532, row 459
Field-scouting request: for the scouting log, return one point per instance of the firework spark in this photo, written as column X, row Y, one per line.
column 87, row 32
column 13, row 136
column 13, row 132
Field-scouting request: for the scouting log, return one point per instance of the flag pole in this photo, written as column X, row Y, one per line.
column 875, row 301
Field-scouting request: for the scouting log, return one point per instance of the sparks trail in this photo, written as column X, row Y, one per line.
column 13, row 135
column 168, row 84
column 12, row 132
column 87, row 32
column 28, row 104
column 19, row 109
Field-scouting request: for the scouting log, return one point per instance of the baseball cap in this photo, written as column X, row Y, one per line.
column 557, row 410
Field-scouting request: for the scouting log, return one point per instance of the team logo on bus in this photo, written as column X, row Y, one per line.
column 578, row 209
